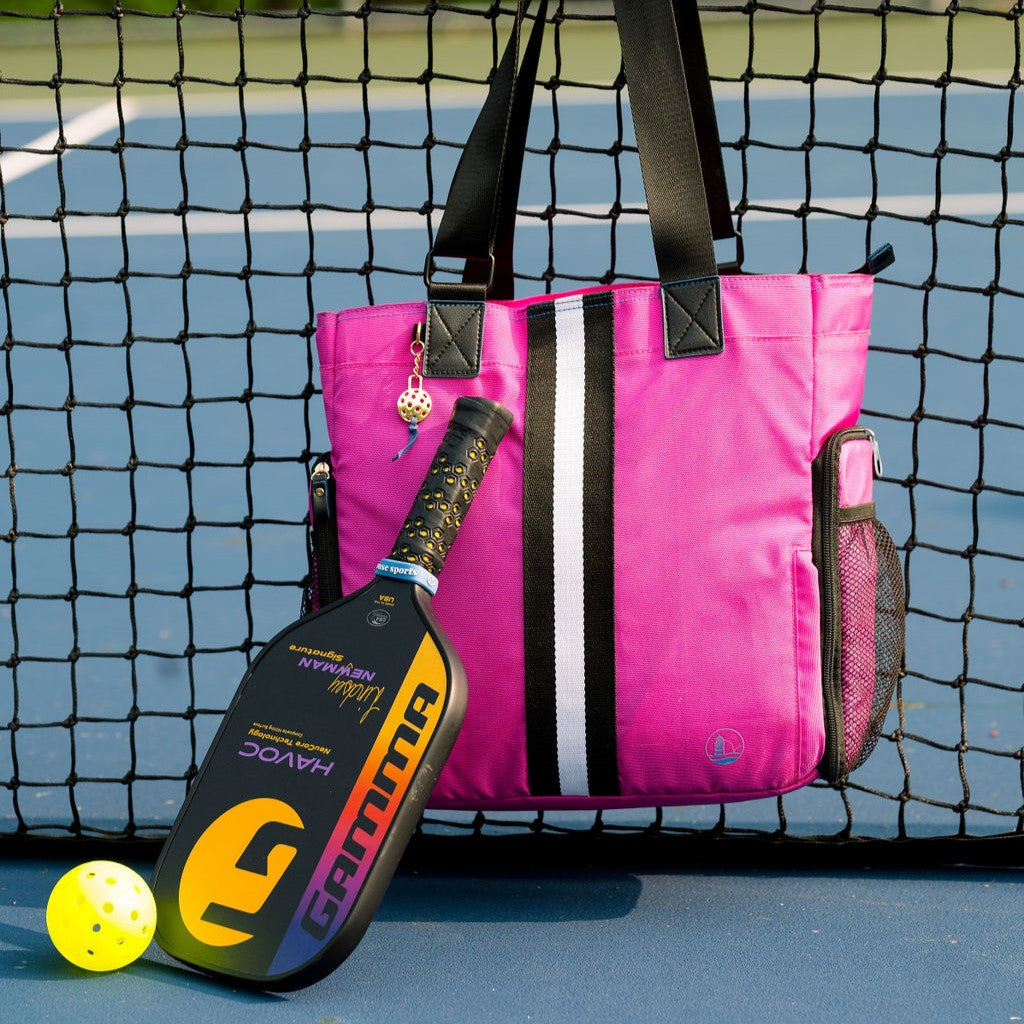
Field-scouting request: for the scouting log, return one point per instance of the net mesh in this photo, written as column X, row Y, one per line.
column 182, row 187
column 872, row 633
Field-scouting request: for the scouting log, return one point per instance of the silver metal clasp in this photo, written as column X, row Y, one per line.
column 874, row 448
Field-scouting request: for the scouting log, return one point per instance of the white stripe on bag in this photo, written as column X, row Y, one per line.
column 570, row 681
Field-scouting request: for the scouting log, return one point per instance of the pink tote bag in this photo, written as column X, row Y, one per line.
column 674, row 589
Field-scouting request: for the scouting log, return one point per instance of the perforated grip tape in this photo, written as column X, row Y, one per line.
column 475, row 430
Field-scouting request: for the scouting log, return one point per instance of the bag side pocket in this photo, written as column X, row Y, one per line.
column 862, row 622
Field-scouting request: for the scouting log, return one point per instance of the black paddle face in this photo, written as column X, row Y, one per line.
column 314, row 782
column 326, row 757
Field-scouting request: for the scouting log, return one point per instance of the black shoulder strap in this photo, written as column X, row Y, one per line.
column 485, row 186
column 705, row 120
column 684, row 178
column 659, row 98
column 698, row 85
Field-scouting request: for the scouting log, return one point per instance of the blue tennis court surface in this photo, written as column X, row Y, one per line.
column 599, row 946
column 603, row 945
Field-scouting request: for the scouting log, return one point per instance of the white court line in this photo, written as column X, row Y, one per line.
column 78, row 132
column 982, row 205
column 403, row 98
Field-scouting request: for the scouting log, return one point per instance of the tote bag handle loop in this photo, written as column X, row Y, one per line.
column 681, row 163
column 480, row 211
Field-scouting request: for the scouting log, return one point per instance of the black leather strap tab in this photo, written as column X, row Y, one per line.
column 693, row 318
column 451, row 345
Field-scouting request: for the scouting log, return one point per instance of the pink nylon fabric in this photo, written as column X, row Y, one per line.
column 856, row 473
column 858, row 581
column 858, row 577
column 716, row 595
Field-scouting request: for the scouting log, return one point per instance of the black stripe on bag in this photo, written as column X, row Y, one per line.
column 595, row 404
column 538, row 552
column 599, row 544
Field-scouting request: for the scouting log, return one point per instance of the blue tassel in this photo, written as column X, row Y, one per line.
column 414, row 432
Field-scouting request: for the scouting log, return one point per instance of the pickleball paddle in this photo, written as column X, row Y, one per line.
column 325, row 759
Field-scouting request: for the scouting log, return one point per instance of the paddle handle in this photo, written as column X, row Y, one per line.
column 475, row 430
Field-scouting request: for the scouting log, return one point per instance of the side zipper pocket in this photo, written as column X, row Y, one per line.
column 862, row 602
column 324, row 581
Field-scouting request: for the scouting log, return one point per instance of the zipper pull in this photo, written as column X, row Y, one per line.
column 874, row 448
column 414, row 432
column 325, row 569
column 320, row 480
column 414, row 403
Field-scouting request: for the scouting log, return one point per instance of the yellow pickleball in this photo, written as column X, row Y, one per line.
column 101, row 915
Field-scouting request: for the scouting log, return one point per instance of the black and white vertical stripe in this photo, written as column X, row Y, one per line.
column 569, row 548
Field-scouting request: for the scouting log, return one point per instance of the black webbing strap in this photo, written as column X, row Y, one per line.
column 482, row 202
column 705, row 122
column 502, row 238
column 486, row 183
column 669, row 156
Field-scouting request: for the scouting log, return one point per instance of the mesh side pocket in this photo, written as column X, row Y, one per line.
column 872, row 633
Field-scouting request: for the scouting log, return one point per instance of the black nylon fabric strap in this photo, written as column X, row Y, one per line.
column 504, row 121
column 677, row 134
column 669, row 158
column 571, row 722
column 538, row 553
column 502, row 240
column 705, row 122
column 484, row 179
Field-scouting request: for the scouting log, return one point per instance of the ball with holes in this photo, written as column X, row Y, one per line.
column 414, row 404
column 101, row 916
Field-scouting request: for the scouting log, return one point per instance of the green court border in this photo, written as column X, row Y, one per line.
column 849, row 45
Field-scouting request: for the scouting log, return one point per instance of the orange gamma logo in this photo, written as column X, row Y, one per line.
column 234, row 867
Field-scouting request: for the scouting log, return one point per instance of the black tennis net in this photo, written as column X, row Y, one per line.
column 182, row 187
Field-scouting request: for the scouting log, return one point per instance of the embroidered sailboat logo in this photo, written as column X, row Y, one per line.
column 724, row 746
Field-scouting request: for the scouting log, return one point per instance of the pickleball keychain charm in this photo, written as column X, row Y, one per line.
column 414, row 403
